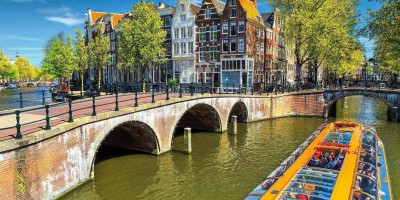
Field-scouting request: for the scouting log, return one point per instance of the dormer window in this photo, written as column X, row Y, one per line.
column 232, row 12
column 182, row 6
column 233, row 2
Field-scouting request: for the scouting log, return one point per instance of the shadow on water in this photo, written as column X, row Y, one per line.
column 106, row 153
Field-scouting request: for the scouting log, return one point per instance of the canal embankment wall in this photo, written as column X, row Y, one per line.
column 46, row 164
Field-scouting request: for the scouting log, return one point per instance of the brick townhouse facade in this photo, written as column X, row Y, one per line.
column 228, row 43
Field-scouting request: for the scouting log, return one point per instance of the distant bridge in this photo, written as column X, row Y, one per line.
column 35, row 83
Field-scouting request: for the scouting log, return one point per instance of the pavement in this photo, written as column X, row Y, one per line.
column 33, row 119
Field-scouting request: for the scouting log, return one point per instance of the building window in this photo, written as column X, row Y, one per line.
column 232, row 12
column 113, row 59
column 176, row 48
column 233, row 2
column 233, row 28
column 233, row 44
column 108, row 28
column 241, row 45
column 202, row 54
column 183, row 48
column 190, row 32
column 241, row 27
column 225, row 45
column 208, row 14
column 168, row 34
column 213, row 33
column 202, row 34
column 190, row 47
column 257, row 47
column 112, row 46
column 176, row 33
column 262, row 48
column 213, row 53
column 258, row 32
column 183, row 18
column 112, row 35
column 225, row 28
column 167, row 22
column 168, row 49
column 183, row 32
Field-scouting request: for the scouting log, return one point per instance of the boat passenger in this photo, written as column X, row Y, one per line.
column 333, row 163
column 314, row 162
column 318, row 154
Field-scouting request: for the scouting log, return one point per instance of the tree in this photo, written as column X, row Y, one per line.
column 81, row 55
column 59, row 58
column 141, row 39
column 7, row 70
column 383, row 27
column 25, row 69
column 99, row 54
column 317, row 29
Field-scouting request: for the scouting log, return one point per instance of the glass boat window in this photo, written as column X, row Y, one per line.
column 366, row 185
column 311, row 183
column 327, row 158
column 338, row 137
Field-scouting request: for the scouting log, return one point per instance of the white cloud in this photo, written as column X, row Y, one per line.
column 69, row 21
column 14, row 37
column 63, row 15
column 198, row 2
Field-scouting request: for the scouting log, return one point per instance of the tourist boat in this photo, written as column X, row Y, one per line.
column 341, row 160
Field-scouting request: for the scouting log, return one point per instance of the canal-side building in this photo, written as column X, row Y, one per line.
column 242, row 42
column 163, row 72
column 183, row 41
column 104, row 23
column 208, row 61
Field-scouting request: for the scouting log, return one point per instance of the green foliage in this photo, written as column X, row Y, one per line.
column 99, row 55
column 321, row 31
column 172, row 82
column 59, row 58
column 383, row 26
column 7, row 70
column 141, row 39
column 25, row 69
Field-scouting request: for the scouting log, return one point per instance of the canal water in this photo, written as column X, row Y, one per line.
column 31, row 96
column 224, row 166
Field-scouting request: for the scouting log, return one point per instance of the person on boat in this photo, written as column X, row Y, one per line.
column 314, row 162
column 333, row 163
column 318, row 154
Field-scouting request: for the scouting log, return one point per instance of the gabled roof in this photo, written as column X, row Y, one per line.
column 115, row 17
column 194, row 8
column 251, row 10
column 268, row 19
column 219, row 6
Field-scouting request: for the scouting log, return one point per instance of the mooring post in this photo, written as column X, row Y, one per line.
column 116, row 101
column 20, row 100
column 326, row 111
column 94, row 105
column 187, row 137
column 234, row 124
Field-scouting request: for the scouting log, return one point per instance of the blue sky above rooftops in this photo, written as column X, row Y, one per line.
column 28, row 24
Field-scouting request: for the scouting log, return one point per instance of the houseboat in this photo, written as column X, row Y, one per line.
column 341, row 160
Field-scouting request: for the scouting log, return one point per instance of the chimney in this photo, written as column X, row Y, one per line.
column 89, row 10
column 161, row 5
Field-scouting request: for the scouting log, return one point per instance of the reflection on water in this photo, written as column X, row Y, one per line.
column 223, row 166
column 32, row 96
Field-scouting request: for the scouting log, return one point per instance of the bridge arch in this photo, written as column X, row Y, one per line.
column 200, row 116
column 240, row 110
column 132, row 135
column 390, row 99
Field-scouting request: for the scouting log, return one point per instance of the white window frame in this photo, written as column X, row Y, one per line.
column 202, row 34
column 190, row 32
column 230, row 12
column 225, row 28
column 244, row 27
column 207, row 14
column 233, row 24
column 183, row 18
column 183, row 32
column 227, row 42
column 183, row 48
column 176, row 33
column 213, row 33
column 241, row 44
column 190, row 47
column 230, row 44
column 202, row 56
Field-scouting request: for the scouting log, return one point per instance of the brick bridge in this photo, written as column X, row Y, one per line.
column 47, row 163
column 390, row 97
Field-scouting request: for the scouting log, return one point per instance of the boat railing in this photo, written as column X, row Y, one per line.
column 277, row 173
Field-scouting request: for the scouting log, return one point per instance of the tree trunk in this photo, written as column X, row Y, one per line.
column 99, row 81
column 142, row 70
column 82, row 86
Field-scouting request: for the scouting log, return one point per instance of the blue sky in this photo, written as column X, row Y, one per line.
column 28, row 24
